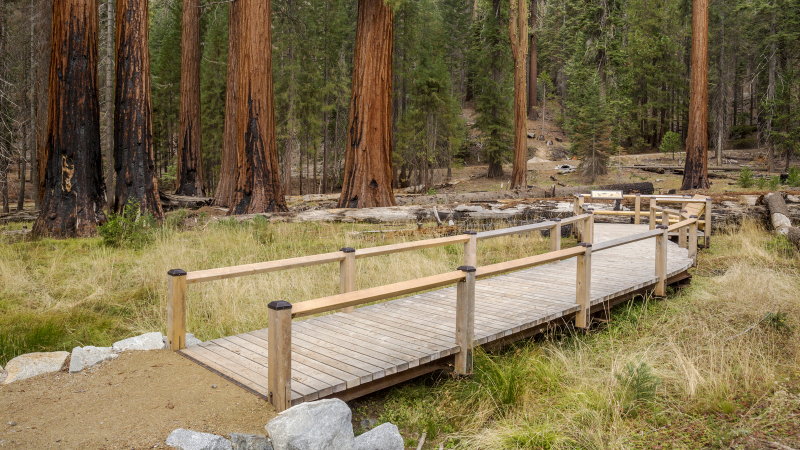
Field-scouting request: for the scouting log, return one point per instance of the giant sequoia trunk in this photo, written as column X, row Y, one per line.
column 74, row 195
column 695, row 175
column 532, row 71
column 518, row 32
column 258, row 183
column 190, row 150
column 133, row 112
column 227, row 170
column 368, row 161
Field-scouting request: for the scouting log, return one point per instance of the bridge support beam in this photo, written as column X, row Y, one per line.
column 176, row 310
column 661, row 261
column 279, row 354
column 465, row 321
column 583, row 287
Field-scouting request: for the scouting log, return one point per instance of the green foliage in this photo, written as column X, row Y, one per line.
column 774, row 183
column 670, row 143
column 532, row 435
column 589, row 122
column 793, row 179
column 500, row 379
column 745, row 179
column 130, row 229
column 213, row 83
column 637, row 385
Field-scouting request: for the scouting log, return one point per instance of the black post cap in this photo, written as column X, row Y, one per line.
column 662, row 227
column 709, row 199
column 683, row 211
column 470, row 232
column 279, row 305
column 347, row 249
column 556, row 219
column 467, row 269
column 176, row 273
column 585, row 244
column 693, row 217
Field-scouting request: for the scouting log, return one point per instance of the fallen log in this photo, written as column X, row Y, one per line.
column 172, row 201
column 19, row 216
column 780, row 218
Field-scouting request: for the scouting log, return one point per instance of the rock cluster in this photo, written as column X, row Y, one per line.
column 32, row 364
column 320, row 425
column 85, row 357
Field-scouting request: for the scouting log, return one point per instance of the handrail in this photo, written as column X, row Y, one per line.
column 531, row 261
column 407, row 246
column 577, row 218
column 516, row 230
column 605, row 245
column 199, row 276
column 680, row 225
column 354, row 298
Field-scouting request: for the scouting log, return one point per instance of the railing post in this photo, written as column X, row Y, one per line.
column 682, row 232
column 279, row 354
column 664, row 218
column 583, row 287
column 347, row 274
column 637, row 208
column 555, row 236
column 653, row 204
column 588, row 227
column 707, row 228
column 465, row 321
column 578, row 211
column 661, row 262
column 693, row 240
column 176, row 310
column 471, row 249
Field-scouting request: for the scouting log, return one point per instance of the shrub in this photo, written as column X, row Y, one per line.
column 745, row 178
column 670, row 143
column 637, row 385
column 761, row 182
column 794, row 177
column 129, row 229
column 774, row 183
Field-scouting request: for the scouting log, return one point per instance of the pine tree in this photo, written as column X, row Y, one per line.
column 589, row 125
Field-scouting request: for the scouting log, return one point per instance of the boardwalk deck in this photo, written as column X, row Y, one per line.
column 336, row 354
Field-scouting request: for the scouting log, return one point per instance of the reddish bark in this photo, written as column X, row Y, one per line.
column 258, row 183
column 695, row 175
column 368, row 160
column 133, row 112
column 190, row 149
column 74, row 195
column 227, row 170
column 518, row 32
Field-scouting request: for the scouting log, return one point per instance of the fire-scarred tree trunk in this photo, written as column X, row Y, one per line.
column 368, row 161
column 518, row 32
column 190, row 150
column 133, row 112
column 532, row 70
column 227, row 169
column 695, row 175
column 74, row 196
column 258, row 183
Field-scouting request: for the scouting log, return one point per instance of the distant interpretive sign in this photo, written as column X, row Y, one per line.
column 607, row 195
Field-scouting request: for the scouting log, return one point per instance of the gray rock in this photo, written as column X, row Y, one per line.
column 147, row 341
column 183, row 439
column 250, row 442
column 190, row 340
column 382, row 437
column 320, row 425
column 368, row 424
column 85, row 357
column 32, row 364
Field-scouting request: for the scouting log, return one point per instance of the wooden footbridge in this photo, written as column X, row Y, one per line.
column 353, row 352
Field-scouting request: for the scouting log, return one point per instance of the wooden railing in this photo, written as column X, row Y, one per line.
column 282, row 312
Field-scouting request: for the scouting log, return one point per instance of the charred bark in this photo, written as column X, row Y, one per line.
column 227, row 170
column 518, row 34
column 133, row 112
column 258, row 183
column 190, row 149
column 74, row 196
column 368, row 160
column 695, row 175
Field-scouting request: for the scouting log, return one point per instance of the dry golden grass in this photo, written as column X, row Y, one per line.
column 85, row 293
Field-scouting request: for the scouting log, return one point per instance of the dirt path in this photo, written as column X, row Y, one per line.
column 132, row 402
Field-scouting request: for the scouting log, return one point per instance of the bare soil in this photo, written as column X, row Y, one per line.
column 132, row 402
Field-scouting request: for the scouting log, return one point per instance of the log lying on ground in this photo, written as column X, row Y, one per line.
column 780, row 217
column 19, row 216
column 172, row 201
